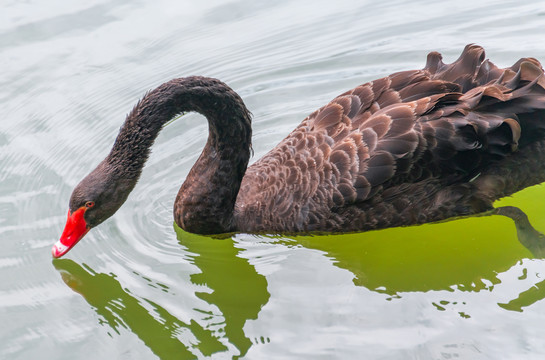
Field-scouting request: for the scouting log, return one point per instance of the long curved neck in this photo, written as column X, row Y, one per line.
column 206, row 200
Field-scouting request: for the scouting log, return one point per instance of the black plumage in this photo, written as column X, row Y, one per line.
column 413, row 147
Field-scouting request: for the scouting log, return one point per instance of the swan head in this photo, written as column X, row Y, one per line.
column 96, row 198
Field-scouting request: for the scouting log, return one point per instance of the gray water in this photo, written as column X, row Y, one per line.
column 139, row 288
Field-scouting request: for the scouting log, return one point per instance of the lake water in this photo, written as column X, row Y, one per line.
column 137, row 287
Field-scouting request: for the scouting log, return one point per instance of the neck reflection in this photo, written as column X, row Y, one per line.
column 233, row 287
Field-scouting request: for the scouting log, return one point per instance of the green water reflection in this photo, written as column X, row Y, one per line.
column 464, row 254
column 117, row 307
column 461, row 255
column 237, row 290
column 429, row 257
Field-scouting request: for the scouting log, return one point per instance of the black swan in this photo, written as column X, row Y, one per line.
column 413, row 147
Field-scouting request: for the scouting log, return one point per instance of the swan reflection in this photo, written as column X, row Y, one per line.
column 235, row 289
column 117, row 307
column 463, row 255
column 460, row 255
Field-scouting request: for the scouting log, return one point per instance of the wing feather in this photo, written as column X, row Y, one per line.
column 438, row 125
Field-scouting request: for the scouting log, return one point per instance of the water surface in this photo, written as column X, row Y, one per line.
column 137, row 287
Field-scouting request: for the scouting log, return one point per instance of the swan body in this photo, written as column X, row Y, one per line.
column 413, row 147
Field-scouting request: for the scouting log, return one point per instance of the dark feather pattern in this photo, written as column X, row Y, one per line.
column 412, row 147
column 403, row 149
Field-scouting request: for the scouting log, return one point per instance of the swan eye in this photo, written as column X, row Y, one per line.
column 89, row 204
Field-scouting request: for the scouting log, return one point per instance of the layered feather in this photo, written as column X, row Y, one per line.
column 399, row 150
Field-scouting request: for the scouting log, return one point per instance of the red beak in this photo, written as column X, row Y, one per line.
column 74, row 230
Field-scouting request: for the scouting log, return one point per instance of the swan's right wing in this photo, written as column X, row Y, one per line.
column 445, row 122
column 442, row 124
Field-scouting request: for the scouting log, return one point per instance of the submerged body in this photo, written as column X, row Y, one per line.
column 413, row 147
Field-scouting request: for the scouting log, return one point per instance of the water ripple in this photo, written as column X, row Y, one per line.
column 73, row 72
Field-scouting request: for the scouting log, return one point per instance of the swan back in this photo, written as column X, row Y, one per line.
column 397, row 142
